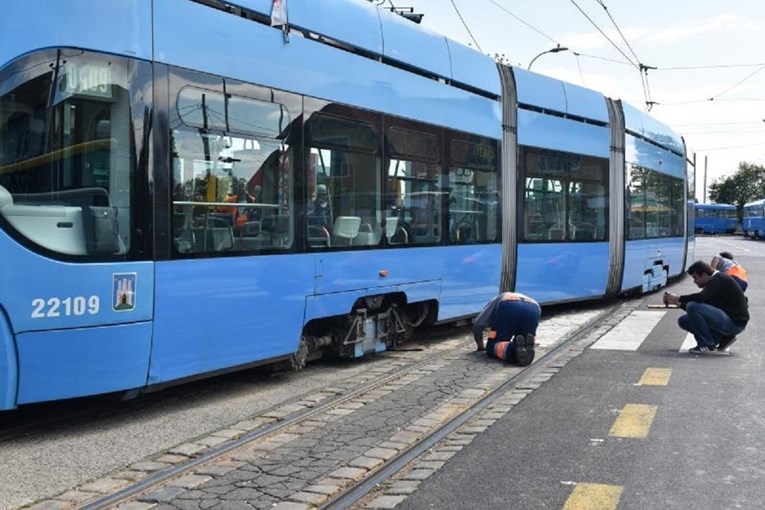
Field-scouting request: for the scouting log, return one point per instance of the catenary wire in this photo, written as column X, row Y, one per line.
column 454, row 4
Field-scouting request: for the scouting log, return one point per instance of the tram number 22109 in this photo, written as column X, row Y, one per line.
column 67, row 307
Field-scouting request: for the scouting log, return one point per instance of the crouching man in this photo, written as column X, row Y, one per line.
column 512, row 319
column 716, row 314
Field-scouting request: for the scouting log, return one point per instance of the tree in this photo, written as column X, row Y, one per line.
column 746, row 185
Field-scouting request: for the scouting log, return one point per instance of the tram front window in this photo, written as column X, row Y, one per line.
column 66, row 152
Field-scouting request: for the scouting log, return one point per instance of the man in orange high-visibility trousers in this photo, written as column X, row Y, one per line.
column 512, row 319
column 725, row 264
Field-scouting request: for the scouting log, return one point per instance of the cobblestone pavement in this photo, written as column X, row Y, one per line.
column 304, row 465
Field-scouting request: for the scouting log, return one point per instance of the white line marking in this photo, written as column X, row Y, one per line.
column 631, row 332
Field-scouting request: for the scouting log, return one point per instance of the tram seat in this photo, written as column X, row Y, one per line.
column 275, row 228
column 213, row 239
column 367, row 235
column 556, row 233
column 318, row 236
column 345, row 230
column 5, row 197
column 396, row 234
column 584, row 232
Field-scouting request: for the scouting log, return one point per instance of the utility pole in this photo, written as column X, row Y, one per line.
column 705, row 179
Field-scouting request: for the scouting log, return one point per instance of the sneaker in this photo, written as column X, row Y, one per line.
column 524, row 349
column 726, row 342
column 699, row 349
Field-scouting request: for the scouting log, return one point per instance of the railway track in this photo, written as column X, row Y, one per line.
column 312, row 451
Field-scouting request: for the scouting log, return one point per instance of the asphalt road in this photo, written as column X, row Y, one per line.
column 704, row 447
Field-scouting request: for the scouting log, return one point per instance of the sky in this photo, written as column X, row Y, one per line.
column 709, row 81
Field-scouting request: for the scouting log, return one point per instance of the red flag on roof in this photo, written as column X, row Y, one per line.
column 279, row 13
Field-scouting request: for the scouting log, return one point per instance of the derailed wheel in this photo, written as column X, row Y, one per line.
column 299, row 359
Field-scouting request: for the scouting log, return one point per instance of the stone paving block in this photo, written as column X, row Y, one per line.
column 292, row 408
column 285, row 471
column 277, row 414
column 417, row 474
column 385, row 502
column 227, row 433
column 188, row 449
column 381, row 453
column 340, row 412
column 283, row 438
column 405, row 437
column 474, row 429
column 290, row 505
column 172, row 459
column 130, row 474
column 103, row 485
column 212, row 440
column 393, row 445
column 136, row 505
column 189, row 481
column 368, row 463
column 348, row 473
column 327, row 490
column 431, row 464
column 439, row 456
column 163, row 495
column 418, row 429
column 426, row 422
column 403, row 487
column 248, row 425
column 219, row 468
column 76, row 496
column 51, row 504
column 149, row 466
column 308, row 497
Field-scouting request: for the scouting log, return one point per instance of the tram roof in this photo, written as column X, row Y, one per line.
column 391, row 36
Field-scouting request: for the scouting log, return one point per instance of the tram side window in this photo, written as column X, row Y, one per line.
column 654, row 204
column 564, row 196
column 413, row 185
column 67, row 158
column 473, row 192
column 232, row 175
column 343, row 168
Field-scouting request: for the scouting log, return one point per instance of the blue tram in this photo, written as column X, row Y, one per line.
column 715, row 218
column 186, row 190
column 753, row 222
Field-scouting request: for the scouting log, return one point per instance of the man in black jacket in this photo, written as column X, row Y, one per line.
column 716, row 314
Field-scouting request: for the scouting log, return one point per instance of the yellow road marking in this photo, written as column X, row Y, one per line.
column 594, row 496
column 655, row 377
column 633, row 421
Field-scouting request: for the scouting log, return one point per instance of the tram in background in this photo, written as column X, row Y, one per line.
column 715, row 218
column 185, row 190
column 753, row 222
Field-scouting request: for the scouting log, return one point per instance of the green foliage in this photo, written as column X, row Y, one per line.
column 746, row 185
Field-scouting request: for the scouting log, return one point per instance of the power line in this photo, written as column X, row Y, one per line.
column 603, row 33
column 737, row 84
column 466, row 26
column 731, row 147
column 712, row 66
column 525, row 23
column 643, row 68
column 602, row 58
column 613, row 21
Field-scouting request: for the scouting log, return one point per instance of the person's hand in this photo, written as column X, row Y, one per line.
column 671, row 299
